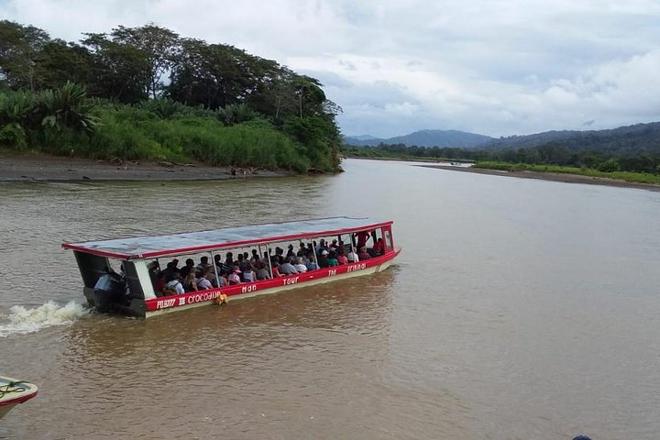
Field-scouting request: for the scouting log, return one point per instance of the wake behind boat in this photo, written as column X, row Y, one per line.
column 13, row 392
column 258, row 259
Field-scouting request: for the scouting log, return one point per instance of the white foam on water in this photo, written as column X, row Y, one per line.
column 21, row 320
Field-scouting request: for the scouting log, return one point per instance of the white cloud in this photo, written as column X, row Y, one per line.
column 491, row 66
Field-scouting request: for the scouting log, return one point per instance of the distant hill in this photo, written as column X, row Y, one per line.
column 425, row 138
column 633, row 139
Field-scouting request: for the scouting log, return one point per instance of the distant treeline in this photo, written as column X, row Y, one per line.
column 608, row 155
column 146, row 92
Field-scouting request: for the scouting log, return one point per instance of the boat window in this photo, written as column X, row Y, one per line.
column 388, row 239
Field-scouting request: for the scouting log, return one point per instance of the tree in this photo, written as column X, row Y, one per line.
column 160, row 46
column 119, row 71
column 19, row 45
column 59, row 62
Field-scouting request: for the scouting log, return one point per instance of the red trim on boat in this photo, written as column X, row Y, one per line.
column 231, row 244
column 18, row 400
column 210, row 295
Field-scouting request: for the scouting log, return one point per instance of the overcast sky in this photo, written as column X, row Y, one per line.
column 495, row 67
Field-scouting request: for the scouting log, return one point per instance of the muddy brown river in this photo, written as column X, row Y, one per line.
column 519, row 309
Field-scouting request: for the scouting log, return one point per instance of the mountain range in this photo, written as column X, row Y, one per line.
column 425, row 138
column 638, row 138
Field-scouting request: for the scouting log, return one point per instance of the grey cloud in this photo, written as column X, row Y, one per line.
column 494, row 67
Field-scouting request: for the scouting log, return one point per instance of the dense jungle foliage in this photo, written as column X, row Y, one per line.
column 147, row 93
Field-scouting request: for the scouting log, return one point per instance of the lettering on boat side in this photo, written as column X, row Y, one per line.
column 354, row 267
column 248, row 289
column 332, row 272
column 204, row 296
column 288, row 281
column 189, row 299
column 165, row 303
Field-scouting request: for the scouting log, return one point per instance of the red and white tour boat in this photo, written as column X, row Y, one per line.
column 135, row 254
column 13, row 392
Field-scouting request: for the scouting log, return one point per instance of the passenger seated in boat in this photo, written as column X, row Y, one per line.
column 323, row 259
column 311, row 264
column 190, row 266
column 173, row 285
column 275, row 267
column 302, row 250
column 363, row 254
column 248, row 275
column 333, row 246
column 203, row 282
column 190, row 282
column 255, row 257
column 352, row 257
column 222, row 281
column 300, row 265
column 287, row 268
column 341, row 256
column 217, row 260
column 332, row 259
column 235, row 276
column 262, row 272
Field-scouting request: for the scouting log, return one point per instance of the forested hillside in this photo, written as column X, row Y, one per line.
column 632, row 148
column 149, row 93
column 425, row 138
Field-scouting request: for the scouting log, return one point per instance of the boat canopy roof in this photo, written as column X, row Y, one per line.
column 241, row 236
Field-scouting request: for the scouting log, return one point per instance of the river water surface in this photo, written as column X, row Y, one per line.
column 519, row 309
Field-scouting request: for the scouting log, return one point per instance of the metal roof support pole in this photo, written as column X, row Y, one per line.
column 215, row 269
column 270, row 266
column 316, row 260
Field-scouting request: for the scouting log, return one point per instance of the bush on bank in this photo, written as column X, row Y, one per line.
column 66, row 122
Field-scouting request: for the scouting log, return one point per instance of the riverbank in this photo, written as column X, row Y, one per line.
column 555, row 177
column 41, row 167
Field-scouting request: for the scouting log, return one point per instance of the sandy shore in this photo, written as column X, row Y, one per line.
column 39, row 167
column 555, row 177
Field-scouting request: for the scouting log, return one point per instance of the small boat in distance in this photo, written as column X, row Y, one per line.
column 140, row 294
column 13, row 392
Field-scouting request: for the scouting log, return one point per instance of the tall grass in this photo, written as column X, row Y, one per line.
column 151, row 131
column 590, row 172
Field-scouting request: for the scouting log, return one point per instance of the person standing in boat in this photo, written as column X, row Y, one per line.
column 379, row 247
column 362, row 238
column 189, row 267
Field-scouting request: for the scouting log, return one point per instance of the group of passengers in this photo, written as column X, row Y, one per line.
column 247, row 268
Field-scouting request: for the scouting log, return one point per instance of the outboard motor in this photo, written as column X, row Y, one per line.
column 109, row 292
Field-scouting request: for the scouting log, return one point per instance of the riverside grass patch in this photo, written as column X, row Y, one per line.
column 626, row 176
column 135, row 133
column 138, row 134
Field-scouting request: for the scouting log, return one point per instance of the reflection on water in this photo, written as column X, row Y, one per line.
column 518, row 309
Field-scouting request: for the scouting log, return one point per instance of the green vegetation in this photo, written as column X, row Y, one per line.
column 632, row 164
column 146, row 93
column 618, row 175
